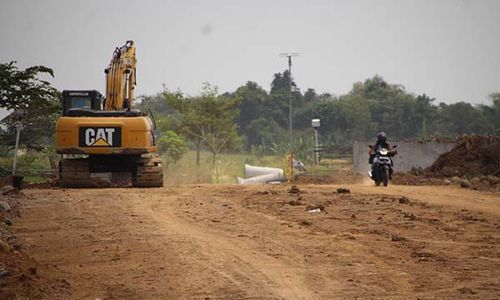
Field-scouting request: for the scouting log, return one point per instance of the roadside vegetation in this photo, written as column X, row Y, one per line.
column 216, row 132
column 229, row 166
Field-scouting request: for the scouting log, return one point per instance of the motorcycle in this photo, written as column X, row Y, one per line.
column 381, row 164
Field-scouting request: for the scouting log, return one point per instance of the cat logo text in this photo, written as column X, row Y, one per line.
column 100, row 137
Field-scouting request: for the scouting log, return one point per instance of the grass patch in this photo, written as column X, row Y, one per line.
column 229, row 166
column 33, row 165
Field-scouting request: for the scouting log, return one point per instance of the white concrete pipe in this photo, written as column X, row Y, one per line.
column 252, row 171
column 278, row 176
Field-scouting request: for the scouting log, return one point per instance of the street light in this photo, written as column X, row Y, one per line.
column 18, row 116
column 315, row 124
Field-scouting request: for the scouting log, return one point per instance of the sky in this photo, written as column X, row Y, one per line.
column 446, row 49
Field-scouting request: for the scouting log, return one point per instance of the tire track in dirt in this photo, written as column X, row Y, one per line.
column 288, row 264
column 241, row 261
column 488, row 202
column 235, row 242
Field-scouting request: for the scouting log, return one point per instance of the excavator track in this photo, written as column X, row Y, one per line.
column 75, row 172
column 149, row 172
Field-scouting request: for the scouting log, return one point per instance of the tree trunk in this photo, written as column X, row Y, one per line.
column 214, row 156
column 197, row 144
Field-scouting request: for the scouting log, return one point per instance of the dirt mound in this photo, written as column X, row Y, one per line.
column 473, row 163
column 482, row 183
column 472, row 156
column 21, row 277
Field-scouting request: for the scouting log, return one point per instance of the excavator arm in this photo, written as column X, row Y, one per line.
column 121, row 78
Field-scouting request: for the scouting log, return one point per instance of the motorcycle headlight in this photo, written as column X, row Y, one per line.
column 383, row 151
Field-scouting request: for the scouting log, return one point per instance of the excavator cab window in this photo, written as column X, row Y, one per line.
column 81, row 101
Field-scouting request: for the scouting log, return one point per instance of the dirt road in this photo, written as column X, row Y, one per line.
column 260, row 242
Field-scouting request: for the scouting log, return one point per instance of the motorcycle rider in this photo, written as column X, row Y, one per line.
column 381, row 143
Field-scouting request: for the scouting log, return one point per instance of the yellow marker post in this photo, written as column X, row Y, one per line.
column 289, row 167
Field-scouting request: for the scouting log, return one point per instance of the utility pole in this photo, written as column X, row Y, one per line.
column 290, row 122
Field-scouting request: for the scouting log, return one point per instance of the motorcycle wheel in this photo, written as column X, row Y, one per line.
column 385, row 177
column 375, row 176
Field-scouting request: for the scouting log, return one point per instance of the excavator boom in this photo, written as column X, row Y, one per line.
column 121, row 78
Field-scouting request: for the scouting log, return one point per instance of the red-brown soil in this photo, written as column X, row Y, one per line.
column 258, row 242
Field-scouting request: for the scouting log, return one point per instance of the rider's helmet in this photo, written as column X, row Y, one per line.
column 381, row 137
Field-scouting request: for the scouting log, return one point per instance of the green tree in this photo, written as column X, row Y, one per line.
column 370, row 106
column 187, row 117
column 209, row 119
column 356, row 118
column 172, row 147
column 252, row 99
column 219, row 129
column 310, row 95
column 492, row 114
column 265, row 132
column 24, row 90
column 462, row 118
column 425, row 114
column 155, row 103
column 390, row 105
column 277, row 108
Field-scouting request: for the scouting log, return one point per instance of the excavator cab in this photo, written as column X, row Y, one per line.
column 81, row 100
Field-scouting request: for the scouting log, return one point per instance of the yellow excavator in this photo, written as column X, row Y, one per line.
column 104, row 140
